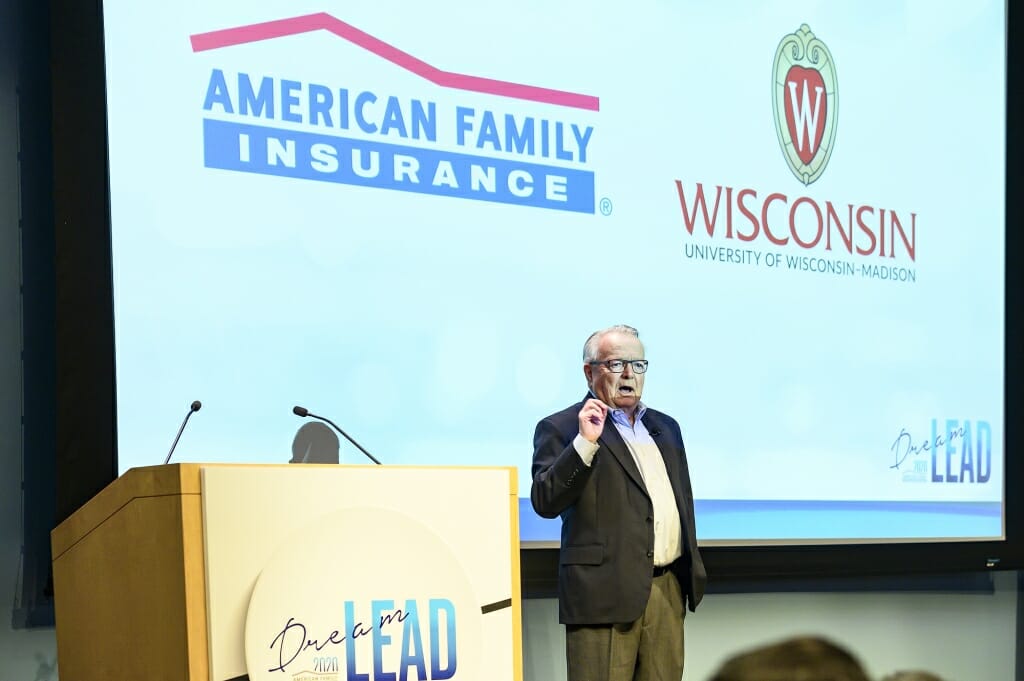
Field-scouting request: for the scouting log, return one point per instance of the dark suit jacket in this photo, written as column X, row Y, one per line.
column 606, row 559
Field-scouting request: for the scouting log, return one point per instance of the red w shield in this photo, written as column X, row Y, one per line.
column 806, row 109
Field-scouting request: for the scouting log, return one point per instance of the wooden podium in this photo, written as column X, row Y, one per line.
column 132, row 567
column 129, row 580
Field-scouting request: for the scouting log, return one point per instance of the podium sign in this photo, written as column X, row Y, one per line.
column 362, row 573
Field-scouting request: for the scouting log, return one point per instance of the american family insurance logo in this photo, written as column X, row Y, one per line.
column 772, row 228
column 526, row 145
column 805, row 103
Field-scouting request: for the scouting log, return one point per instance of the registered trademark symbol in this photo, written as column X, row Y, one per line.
column 606, row 206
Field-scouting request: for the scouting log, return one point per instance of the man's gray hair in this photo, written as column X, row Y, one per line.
column 590, row 347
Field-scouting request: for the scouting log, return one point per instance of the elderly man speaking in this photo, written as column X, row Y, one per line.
column 616, row 472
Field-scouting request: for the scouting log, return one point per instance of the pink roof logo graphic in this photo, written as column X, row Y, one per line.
column 322, row 21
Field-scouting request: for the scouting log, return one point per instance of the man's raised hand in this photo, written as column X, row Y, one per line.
column 592, row 417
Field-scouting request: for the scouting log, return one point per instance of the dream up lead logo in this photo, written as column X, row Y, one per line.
column 804, row 101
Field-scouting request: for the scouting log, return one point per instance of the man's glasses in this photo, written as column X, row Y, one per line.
column 616, row 366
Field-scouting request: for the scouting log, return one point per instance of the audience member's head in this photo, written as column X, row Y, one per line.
column 314, row 443
column 912, row 675
column 805, row 658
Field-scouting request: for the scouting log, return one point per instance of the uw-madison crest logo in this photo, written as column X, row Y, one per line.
column 804, row 100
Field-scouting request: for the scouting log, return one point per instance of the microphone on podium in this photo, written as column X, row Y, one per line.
column 303, row 412
column 196, row 406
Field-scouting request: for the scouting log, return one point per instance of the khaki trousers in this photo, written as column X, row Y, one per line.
column 648, row 649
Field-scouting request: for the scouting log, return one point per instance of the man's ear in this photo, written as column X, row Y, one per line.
column 588, row 371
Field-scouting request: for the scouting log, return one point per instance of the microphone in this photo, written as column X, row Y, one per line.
column 303, row 412
column 196, row 406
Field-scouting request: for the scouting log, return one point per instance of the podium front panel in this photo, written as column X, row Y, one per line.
column 326, row 573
